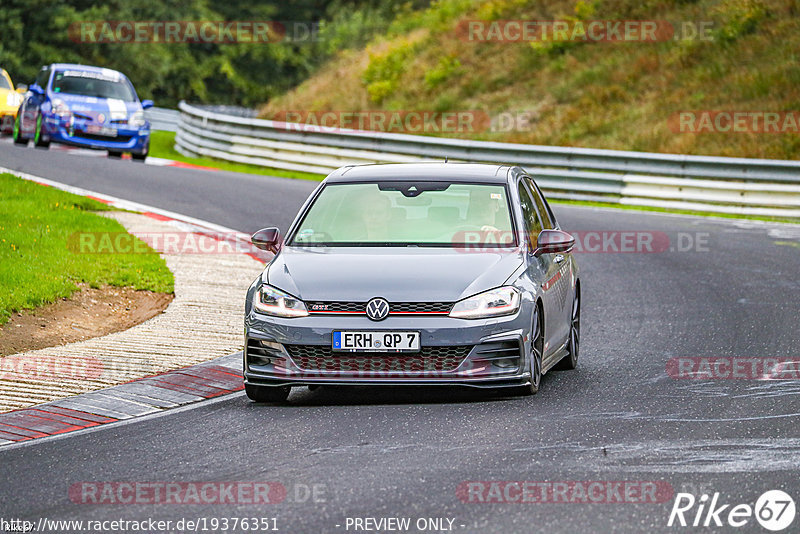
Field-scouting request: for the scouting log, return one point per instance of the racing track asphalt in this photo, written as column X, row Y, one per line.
column 403, row 452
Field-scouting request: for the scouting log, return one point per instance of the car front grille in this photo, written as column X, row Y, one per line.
column 322, row 358
column 258, row 354
column 507, row 354
column 395, row 308
column 498, row 350
column 95, row 137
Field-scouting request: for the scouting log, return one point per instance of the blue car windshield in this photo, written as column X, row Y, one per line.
column 425, row 213
column 96, row 84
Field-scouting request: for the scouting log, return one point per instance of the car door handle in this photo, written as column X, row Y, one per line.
column 559, row 258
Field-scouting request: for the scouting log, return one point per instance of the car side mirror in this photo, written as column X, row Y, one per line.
column 22, row 88
column 147, row 104
column 35, row 89
column 553, row 241
column 268, row 239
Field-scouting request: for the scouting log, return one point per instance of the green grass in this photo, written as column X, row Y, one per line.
column 162, row 145
column 37, row 266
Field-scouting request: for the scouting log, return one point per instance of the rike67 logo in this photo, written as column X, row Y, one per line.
column 774, row 510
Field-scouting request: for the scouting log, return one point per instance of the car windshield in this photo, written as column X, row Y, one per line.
column 4, row 82
column 425, row 213
column 98, row 84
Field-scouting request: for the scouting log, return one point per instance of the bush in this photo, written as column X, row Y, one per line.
column 448, row 67
column 384, row 70
column 739, row 17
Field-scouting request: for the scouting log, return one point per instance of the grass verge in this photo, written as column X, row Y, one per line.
column 36, row 265
column 162, row 145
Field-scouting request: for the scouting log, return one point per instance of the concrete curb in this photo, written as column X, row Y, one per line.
column 134, row 399
column 148, row 361
column 201, row 323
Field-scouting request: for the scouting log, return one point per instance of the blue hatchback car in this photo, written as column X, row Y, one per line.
column 89, row 107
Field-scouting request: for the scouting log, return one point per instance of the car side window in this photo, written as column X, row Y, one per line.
column 547, row 218
column 532, row 222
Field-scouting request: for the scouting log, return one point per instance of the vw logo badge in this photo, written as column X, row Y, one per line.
column 377, row 309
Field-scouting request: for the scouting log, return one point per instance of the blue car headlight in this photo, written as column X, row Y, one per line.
column 271, row 301
column 493, row 303
column 137, row 120
column 60, row 109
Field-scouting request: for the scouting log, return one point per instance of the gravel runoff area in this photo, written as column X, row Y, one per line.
column 203, row 322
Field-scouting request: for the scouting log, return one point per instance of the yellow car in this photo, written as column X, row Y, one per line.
column 9, row 103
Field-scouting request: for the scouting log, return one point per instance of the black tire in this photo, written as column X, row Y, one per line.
column 37, row 136
column 537, row 349
column 143, row 155
column 570, row 361
column 6, row 125
column 18, row 140
column 114, row 155
column 267, row 393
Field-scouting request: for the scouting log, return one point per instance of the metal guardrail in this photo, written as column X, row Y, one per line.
column 166, row 120
column 162, row 119
column 725, row 185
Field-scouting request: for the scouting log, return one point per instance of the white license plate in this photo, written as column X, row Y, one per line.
column 101, row 130
column 366, row 341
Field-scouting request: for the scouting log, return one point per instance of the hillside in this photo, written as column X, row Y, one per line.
column 590, row 93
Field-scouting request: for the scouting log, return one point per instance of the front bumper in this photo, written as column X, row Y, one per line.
column 485, row 353
column 74, row 132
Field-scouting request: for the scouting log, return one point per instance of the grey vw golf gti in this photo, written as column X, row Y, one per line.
column 414, row 274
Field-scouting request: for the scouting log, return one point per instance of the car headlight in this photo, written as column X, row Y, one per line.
column 61, row 109
column 137, row 120
column 275, row 302
column 13, row 99
column 501, row 301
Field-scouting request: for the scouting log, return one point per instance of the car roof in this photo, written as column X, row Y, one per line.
column 88, row 68
column 456, row 172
